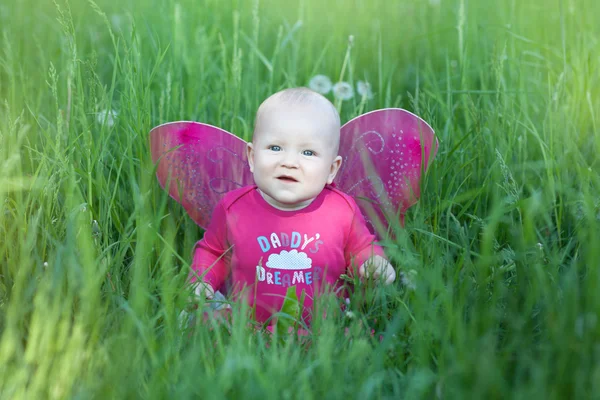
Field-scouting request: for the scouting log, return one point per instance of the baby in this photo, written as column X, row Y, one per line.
column 292, row 228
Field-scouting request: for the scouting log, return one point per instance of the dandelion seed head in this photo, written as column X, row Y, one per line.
column 320, row 84
column 364, row 89
column 409, row 279
column 343, row 91
column 107, row 117
column 45, row 264
column 117, row 21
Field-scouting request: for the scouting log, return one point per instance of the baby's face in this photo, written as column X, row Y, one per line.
column 293, row 156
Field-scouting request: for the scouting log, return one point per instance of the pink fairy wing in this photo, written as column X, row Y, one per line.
column 198, row 164
column 385, row 152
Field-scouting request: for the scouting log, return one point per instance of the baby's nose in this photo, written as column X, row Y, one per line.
column 290, row 160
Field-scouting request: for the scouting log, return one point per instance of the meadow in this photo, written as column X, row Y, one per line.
column 500, row 257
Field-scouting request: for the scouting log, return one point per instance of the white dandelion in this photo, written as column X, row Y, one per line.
column 107, row 117
column 117, row 21
column 343, row 91
column 364, row 89
column 320, row 84
column 409, row 279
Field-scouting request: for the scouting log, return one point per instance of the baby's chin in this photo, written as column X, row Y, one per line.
column 287, row 203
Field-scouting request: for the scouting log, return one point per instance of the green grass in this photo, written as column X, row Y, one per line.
column 504, row 242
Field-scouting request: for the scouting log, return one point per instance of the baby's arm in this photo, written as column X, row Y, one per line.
column 211, row 256
column 370, row 257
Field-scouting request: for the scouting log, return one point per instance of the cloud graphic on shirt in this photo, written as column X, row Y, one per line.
column 289, row 260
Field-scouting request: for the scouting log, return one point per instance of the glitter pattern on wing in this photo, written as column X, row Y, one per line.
column 385, row 153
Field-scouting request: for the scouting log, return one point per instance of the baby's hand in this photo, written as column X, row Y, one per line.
column 379, row 268
column 204, row 290
column 217, row 302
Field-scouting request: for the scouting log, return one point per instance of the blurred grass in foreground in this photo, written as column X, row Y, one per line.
column 502, row 248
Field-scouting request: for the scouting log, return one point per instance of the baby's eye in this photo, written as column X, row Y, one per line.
column 275, row 148
column 308, row 153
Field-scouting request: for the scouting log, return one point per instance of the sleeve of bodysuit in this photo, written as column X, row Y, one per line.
column 360, row 244
column 212, row 253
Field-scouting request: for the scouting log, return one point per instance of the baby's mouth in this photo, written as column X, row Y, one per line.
column 286, row 178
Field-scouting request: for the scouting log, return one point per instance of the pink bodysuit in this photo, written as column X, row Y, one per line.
column 262, row 250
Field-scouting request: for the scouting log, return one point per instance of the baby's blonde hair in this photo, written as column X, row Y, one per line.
column 301, row 96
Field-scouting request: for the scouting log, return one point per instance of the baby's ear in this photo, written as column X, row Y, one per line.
column 335, row 167
column 250, row 155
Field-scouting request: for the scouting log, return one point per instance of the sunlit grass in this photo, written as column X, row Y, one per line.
column 502, row 248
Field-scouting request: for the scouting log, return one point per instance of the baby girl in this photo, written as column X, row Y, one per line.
column 292, row 227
